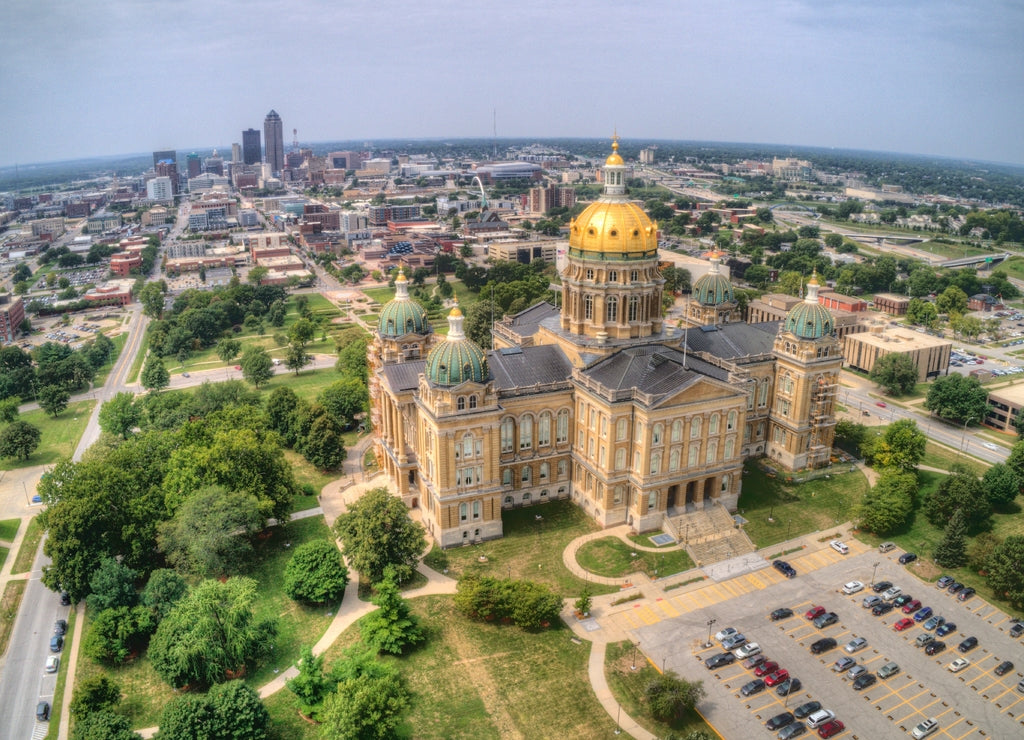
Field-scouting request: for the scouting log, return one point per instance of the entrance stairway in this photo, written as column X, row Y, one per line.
column 708, row 533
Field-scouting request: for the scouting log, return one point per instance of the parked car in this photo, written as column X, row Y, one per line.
column 788, row 686
column 862, row 682
column 887, row 546
column 806, row 710
column 902, row 600
column 727, row 632
column 924, row 638
column 889, row 669
column 841, row 547
column 935, row 621
column 884, row 608
column 907, row 558
column 816, row 720
column 965, row 594
column 822, row 645
column 56, row 643
column 852, row 587
column 755, row 661
column 753, row 687
column 1003, row 668
column 60, row 627
column 924, row 729
column 881, row 586
column 955, row 587
column 779, row 721
column 52, row 664
column 871, row 601
column 748, row 650
column 1017, row 630
column 766, row 668
column 731, row 643
column 911, row 606
column 943, row 581
column 65, row 598
column 967, row 645
column 903, row 624
column 826, row 620
column 843, row 664
column 783, row 613
column 722, row 659
column 856, row 672
column 784, row 568
column 774, row 679
column 856, row 644
column 831, row 729
column 891, row 593
column 923, row 613
column 43, row 711
column 794, row 730
column 958, row 665
column 934, row 647
column 814, row 612
column 945, row 629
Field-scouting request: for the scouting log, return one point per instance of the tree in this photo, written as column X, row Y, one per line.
column 1015, row 460
column 669, row 696
column 211, row 634
column 324, row 443
column 980, row 549
column 186, row 717
column 316, row 573
column 119, row 416
column 1006, row 570
column 896, row 372
column 296, row 357
column 163, row 590
column 344, row 399
column 1001, row 484
column 960, row 490
column 19, row 440
column 257, row 366
column 951, row 552
column 833, row 240
column 111, row 585
column 958, row 398
column 302, row 331
column 391, row 628
column 53, row 399
column 256, row 274
column 9, row 409
column 211, row 533
column 152, row 299
column 231, row 711
column 312, row 685
column 885, row 508
column 369, row 706
column 228, row 349
column 902, row 446
column 154, row 375
column 377, row 532
column 951, row 300
column 104, row 725
column 116, row 634
column 94, row 694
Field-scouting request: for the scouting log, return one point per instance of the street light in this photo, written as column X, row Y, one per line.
column 635, row 646
column 710, row 622
column 874, row 567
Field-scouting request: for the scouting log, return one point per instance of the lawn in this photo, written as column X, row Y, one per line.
column 146, row 693
column 628, row 686
column 943, row 458
column 305, row 473
column 531, row 548
column 59, row 435
column 610, row 556
column 29, row 546
column 9, row 529
column 10, row 602
column 481, row 680
column 796, row 509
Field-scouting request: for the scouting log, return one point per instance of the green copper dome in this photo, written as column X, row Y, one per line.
column 713, row 288
column 809, row 319
column 457, row 359
column 402, row 315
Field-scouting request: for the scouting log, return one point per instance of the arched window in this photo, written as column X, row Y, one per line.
column 620, row 458
column 652, row 500
column 673, row 460
column 472, row 402
column 691, row 458
column 634, row 308
column 506, row 477
column 762, row 397
column 544, row 430
column 655, row 463
column 460, row 404
column 677, row 430
column 562, row 432
column 588, row 307
column 726, row 480
column 730, row 448
column 590, row 274
column 563, row 469
column 507, row 435
column 544, row 471
column 657, row 434
column 730, row 423
column 634, row 276
column 712, row 451
column 524, row 475
column 713, row 424
column 621, row 429
column 476, row 509
column 463, row 512
column 695, row 425
column 613, row 309
column 525, row 432
column 613, row 276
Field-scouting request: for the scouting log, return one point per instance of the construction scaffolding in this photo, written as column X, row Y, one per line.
column 823, row 421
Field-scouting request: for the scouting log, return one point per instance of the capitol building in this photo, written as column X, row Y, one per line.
column 599, row 401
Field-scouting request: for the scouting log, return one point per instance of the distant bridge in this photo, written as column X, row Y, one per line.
column 976, row 260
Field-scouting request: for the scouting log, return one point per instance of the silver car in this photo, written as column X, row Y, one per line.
column 871, row 601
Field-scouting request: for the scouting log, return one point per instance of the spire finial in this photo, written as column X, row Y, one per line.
column 615, row 139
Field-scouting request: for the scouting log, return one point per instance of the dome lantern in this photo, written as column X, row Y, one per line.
column 402, row 315
column 809, row 319
column 458, row 359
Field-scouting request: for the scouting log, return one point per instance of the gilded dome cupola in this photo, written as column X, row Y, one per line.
column 458, row 359
column 809, row 319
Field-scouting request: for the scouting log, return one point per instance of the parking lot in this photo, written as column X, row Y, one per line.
column 973, row 703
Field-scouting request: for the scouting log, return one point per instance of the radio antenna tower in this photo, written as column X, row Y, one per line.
column 295, row 139
column 495, row 124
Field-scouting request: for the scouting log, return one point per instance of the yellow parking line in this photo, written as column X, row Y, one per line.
column 946, row 711
column 1004, row 619
column 647, row 614
column 1011, row 706
column 924, row 709
column 666, row 606
column 755, row 579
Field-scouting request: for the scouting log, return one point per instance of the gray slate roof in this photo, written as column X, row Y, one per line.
column 528, row 366
column 732, row 341
column 404, row 376
column 652, row 369
column 527, row 321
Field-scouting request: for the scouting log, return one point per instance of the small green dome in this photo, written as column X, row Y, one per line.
column 458, row 358
column 713, row 288
column 809, row 319
column 402, row 315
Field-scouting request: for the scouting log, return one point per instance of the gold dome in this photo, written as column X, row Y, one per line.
column 614, row 228
column 614, row 158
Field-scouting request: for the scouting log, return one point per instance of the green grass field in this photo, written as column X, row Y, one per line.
column 610, row 556
column 59, row 435
column 10, row 602
column 9, row 529
column 29, row 545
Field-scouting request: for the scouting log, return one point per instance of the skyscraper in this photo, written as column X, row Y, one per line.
column 195, row 165
column 236, row 152
column 164, row 155
column 251, row 149
column 273, row 137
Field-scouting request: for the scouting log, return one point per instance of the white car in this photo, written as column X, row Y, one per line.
column 925, row 729
column 853, row 587
column 839, row 547
column 747, row 651
column 727, row 632
column 52, row 664
column 958, row 665
column 817, row 719
column 987, row 446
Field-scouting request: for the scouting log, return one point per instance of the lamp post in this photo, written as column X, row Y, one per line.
column 874, row 568
column 710, row 623
column 635, row 646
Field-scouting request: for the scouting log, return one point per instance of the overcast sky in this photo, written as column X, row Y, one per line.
column 83, row 77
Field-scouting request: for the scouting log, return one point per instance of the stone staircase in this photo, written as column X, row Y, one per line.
column 709, row 534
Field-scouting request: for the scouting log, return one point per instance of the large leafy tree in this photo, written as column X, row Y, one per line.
column 94, row 694
column 951, row 552
column 951, row 300
column 1001, row 483
column 392, row 628
column 670, row 696
column 885, row 508
column 368, row 705
column 104, row 725
column 119, row 416
column 112, row 584
column 19, row 440
column 957, row 398
column 163, row 590
column 963, row 490
column 152, row 298
column 312, row 685
column 902, row 446
column 296, row 357
column 211, row 634
column 324, row 443
column 155, row 376
column 896, row 372
column 316, row 573
column 377, row 532
column 53, row 399
column 344, row 399
column 116, row 634
column 257, row 365
column 228, row 349
column 1006, row 570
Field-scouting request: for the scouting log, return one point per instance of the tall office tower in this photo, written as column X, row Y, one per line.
column 168, row 168
column 195, row 165
column 251, row 150
column 164, row 155
column 273, row 137
column 214, row 164
column 236, row 152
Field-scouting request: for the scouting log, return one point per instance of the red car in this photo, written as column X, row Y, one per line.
column 831, row 728
column 776, row 678
column 903, row 624
column 911, row 606
column 765, row 668
column 814, row 612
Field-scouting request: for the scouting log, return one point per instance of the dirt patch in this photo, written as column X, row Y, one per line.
column 925, row 569
column 474, row 665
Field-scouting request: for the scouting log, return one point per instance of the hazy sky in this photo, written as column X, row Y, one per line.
column 84, row 77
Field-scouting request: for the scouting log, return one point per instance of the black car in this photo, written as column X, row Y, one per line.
column 805, row 710
column 969, row 644
column 784, row 568
column 60, row 627
column 754, row 661
column 56, row 643
column 65, row 598
column 825, row 620
column 902, row 599
column 779, row 721
column 783, row 613
column 43, row 711
column 1017, row 630
column 934, row 647
column 955, row 587
column 753, row 687
column 717, row 661
column 965, row 594
column 1003, row 668
column 794, row 730
column 822, row 645
column 788, row 686
column 884, row 608
column 864, row 680
column 907, row 557
column 881, row 586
